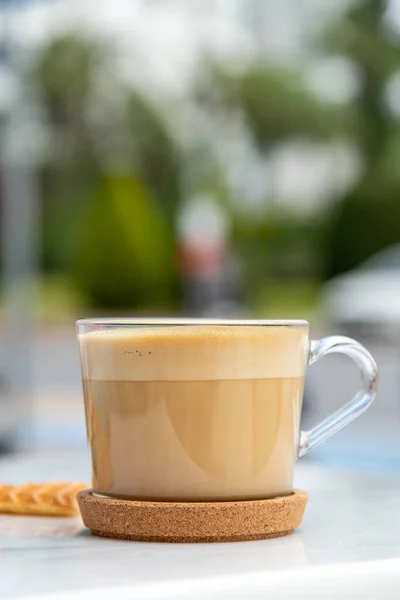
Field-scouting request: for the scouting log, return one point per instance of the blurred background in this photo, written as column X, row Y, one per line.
column 201, row 157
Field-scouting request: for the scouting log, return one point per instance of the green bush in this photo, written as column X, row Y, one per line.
column 125, row 255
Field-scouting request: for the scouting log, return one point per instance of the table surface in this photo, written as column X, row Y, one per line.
column 350, row 536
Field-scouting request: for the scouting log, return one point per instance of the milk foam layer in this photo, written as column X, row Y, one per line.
column 194, row 353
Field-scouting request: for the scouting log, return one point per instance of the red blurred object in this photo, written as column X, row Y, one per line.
column 198, row 258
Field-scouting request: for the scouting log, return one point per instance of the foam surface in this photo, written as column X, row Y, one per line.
column 194, row 353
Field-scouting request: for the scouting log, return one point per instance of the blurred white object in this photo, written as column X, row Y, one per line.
column 210, row 270
column 366, row 299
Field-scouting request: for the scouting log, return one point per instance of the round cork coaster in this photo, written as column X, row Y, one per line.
column 192, row 521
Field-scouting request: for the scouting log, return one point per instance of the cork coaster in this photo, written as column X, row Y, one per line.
column 192, row 521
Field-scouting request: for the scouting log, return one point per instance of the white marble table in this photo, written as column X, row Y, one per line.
column 347, row 547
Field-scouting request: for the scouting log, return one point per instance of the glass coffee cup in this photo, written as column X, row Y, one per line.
column 204, row 410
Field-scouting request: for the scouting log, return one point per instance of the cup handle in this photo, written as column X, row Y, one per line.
column 360, row 402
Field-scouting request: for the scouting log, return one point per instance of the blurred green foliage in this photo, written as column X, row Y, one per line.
column 116, row 174
column 367, row 221
column 157, row 154
column 125, row 254
column 277, row 106
column 65, row 78
column 278, row 249
column 111, row 228
column 275, row 102
column 368, row 218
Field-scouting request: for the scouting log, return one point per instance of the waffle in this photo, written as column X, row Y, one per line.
column 47, row 499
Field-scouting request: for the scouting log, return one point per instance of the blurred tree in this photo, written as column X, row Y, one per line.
column 156, row 153
column 64, row 76
column 366, row 40
column 94, row 134
column 275, row 106
column 274, row 102
column 368, row 218
column 125, row 254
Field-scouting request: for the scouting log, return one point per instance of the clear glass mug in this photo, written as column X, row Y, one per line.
column 197, row 410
